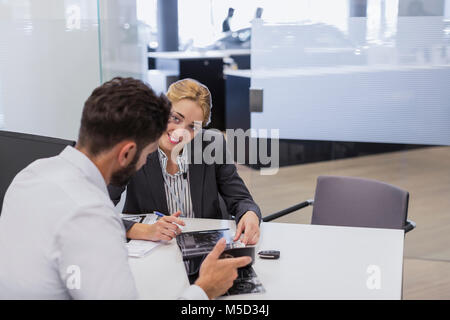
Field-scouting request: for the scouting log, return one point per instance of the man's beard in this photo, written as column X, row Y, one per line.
column 121, row 177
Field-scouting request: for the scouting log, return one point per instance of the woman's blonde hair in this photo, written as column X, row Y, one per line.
column 193, row 90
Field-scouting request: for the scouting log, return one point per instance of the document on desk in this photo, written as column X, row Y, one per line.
column 140, row 248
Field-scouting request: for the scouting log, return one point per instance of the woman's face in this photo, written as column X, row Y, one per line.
column 185, row 122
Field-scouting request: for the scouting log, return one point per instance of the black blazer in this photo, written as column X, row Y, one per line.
column 145, row 190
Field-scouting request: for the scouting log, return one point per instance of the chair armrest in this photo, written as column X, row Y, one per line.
column 286, row 211
column 410, row 225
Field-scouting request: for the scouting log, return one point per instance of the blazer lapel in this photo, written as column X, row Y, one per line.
column 196, row 185
column 196, row 173
column 155, row 181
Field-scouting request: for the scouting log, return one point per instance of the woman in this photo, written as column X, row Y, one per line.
column 172, row 180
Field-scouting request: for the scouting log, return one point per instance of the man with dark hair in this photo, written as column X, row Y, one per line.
column 71, row 242
column 122, row 108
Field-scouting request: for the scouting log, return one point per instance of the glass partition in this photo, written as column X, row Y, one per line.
column 49, row 64
column 53, row 53
column 123, row 39
column 379, row 76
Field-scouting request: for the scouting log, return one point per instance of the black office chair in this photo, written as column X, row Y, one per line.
column 356, row 202
column 18, row 150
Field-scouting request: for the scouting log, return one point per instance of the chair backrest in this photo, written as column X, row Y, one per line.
column 357, row 202
column 18, row 150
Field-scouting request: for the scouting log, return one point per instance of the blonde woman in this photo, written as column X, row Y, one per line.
column 172, row 182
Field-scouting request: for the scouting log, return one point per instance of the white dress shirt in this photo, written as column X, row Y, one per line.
column 60, row 237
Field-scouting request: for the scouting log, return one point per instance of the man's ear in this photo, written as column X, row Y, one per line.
column 127, row 152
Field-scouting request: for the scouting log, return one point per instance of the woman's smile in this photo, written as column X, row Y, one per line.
column 173, row 139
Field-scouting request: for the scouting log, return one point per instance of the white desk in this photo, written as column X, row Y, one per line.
column 317, row 262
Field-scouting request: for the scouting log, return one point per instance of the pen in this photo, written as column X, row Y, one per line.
column 212, row 231
column 128, row 215
column 159, row 214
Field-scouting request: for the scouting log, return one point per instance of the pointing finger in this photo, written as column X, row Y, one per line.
column 218, row 249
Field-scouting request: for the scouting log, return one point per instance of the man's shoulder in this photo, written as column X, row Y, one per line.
column 58, row 181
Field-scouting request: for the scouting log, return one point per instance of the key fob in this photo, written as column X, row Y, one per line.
column 269, row 254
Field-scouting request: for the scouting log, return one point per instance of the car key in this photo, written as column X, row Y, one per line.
column 269, row 254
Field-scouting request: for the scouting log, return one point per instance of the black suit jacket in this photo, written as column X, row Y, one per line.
column 145, row 190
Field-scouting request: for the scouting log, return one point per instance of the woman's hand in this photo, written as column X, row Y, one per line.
column 166, row 228
column 249, row 225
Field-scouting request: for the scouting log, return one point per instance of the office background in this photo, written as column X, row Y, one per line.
column 356, row 87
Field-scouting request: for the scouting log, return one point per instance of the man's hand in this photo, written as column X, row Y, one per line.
column 216, row 275
column 249, row 225
column 165, row 228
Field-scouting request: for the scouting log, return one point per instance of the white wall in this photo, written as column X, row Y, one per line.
column 49, row 64
column 53, row 53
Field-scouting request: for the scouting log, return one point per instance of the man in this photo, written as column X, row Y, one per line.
column 57, row 219
column 226, row 22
